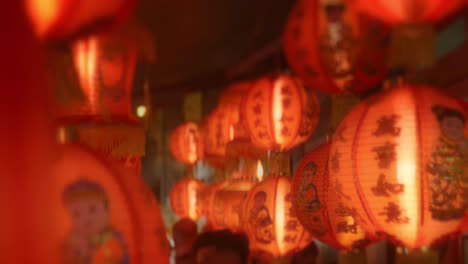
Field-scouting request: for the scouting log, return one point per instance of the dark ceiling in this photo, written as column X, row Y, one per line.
column 200, row 42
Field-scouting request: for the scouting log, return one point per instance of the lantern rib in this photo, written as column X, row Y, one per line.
column 354, row 169
column 415, row 94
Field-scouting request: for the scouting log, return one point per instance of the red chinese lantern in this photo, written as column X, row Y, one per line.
column 211, row 210
column 333, row 49
column 408, row 11
column 320, row 208
column 216, row 135
column 186, row 144
column 53, row 19
column 184, row 198
column 270, row 220
column 93, row 207
column 401, row 158
column 279, row 112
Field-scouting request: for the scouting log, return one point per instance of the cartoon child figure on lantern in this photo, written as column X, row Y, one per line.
column 337, row 44
column 308, row 191
column 261, row 220
column 91, row 239
column 448, row 166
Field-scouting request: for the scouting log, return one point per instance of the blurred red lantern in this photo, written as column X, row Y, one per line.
column 93, row 206
column 319, row 207
column 270, row 220
column 211, row 209
column 401, row 157
column 279, row 113
column 216, row 135
column 185, row 198
column 333, row 49
column 230, row 102
column 53, row 19
column 186, row 143
column 408, row 11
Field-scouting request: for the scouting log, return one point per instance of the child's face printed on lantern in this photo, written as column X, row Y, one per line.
column 452, row 128
column 309, row 172
column 89, row 215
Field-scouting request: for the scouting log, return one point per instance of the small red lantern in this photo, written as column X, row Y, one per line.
column 186, row 143
column 401, row 157
column 270, row 219
column 408, row 11
column 54, row 19
column 319, row 207
column 184, row 198
column 216, row 135
column 333, row 49
column 279, row 112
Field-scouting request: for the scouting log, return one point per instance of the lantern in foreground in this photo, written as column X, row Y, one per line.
column 216, row 135
column 186, row 143
column 279, row 112
column 320, row 208
column 401, row 158
column 270, row 220
column 93, row 206
column 408, row 11
column 332, row 48
column 184, row 198
column 53, row 19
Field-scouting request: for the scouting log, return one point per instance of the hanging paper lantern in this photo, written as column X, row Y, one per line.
column 408, row 11
column 216, row 135
column 184, row 198
column 53, row 19
column 332, row 48
column 186, row 144
column 401, row 158
column 270, row 219
column 154, row 243
column 279, row 112
column 320, row 208
column 93, row 207
column 211, row 210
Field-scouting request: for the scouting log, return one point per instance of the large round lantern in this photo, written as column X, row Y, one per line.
column 270, row 220
column 408, row 11
column 186, row 143
column 53, row 19
column 184, row 198
column 320, row 208
column 333, row 49
column 94, row 211
column 401, row 157
column 216, row 135
column 279, row 112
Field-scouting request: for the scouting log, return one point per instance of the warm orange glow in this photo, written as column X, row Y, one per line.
column 44, row 13
column 333, row 49
column 259, row 171
column 231, row 132
column 279, row 112
column 184, row 198
column 86, row 60
column 186, row 143
column 319, row 206
column 408, row 11
column 400, row 160
column 269, row 218
column 217, row 131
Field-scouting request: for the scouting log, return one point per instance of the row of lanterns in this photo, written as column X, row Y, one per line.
column 394, row 170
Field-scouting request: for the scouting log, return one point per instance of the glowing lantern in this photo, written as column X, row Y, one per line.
column 408, row 11
column 54, row 19
column 186, row 143
column 332, row 48
column 230, row 102
column 270, row 220
column 93, row 206
column 279, row 113
column 319, row 207
column 400, row 157
column 216, row 135
column 184, row 198
column 211, row 210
